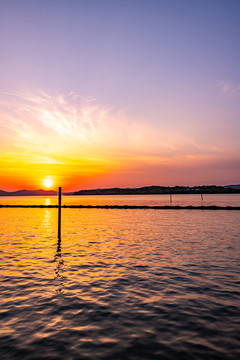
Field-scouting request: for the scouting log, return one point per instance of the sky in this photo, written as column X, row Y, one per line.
column 112, row 93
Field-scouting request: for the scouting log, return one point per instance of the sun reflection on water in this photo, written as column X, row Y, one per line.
column 47, row 221
column 47, row 202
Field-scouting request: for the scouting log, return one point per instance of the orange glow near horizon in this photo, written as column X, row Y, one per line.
column 57, row 141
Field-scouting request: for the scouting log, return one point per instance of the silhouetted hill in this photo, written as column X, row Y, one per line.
column 232, row 186
column 206, row 189
column 39, row 192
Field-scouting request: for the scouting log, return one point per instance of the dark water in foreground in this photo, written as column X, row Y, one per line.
column 121, row 284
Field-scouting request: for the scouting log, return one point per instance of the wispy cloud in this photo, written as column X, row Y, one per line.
column 68, row 124
column 54, row 124
column 61, row 128
column 229, row 88
column 59, row 114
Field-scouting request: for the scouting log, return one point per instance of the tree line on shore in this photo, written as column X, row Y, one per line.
column 205, row 189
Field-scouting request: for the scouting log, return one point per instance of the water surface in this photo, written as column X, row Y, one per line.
column 149, row 200
column 121, row 284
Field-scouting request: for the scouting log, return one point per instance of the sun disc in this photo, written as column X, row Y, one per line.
column 48, row 183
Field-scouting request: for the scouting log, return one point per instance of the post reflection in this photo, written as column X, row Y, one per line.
column 58, row 270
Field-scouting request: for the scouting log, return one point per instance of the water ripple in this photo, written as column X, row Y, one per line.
column 139, row 285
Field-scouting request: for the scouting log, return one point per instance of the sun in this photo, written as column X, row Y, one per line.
column 47, row 182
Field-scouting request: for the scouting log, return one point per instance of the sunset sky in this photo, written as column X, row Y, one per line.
column 122, row 93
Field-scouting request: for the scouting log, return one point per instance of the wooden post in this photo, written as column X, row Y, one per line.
column 59, row 212
column 202, row 197
column 170, row 197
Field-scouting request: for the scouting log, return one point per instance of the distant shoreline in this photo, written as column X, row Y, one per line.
column 128, row 207
column 146, row 190
column 163, row 190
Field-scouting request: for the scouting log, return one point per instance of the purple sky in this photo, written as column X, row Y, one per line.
column 152, row 89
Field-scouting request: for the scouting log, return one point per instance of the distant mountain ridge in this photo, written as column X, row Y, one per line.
column 39, row 192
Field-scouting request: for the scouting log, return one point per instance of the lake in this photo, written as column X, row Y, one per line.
column 149, row 200
column 120, row 284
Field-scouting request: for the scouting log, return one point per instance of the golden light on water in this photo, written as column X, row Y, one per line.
column 47, row 202
column 48, row 182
